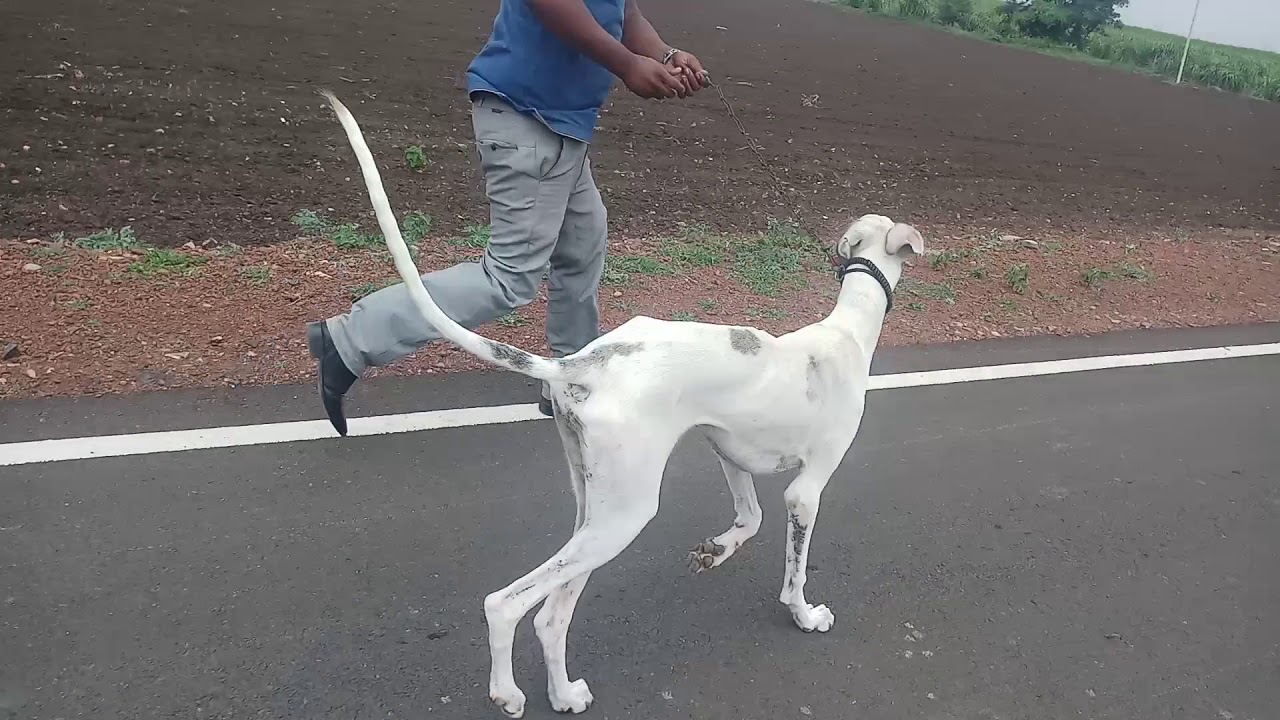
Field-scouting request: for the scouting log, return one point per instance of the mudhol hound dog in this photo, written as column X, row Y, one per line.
column 766, row 404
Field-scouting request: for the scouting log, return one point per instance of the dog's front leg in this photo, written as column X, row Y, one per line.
column 802, row 497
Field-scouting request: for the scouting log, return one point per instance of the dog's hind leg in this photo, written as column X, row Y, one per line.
column 621, row 491
column 552, row 621
column 802, row 497
column 711, row 553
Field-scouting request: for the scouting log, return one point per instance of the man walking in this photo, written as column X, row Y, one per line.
column 536, row 90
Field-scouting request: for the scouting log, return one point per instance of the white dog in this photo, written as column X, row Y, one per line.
column 766, row 404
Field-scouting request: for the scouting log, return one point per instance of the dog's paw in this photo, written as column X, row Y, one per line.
column 706, row 555
column 810, row 618
column 576, row 699
column 510, row 701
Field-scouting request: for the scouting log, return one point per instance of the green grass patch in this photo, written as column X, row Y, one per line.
column 775, row 259
column 156, row 262
column 620, row 269
column 1096, row 277
column 768, row 313
column 473, row 236
column 79, row 304
column 684, row 316
column 915, row 306
column 110, row 240
column 48, row 253
column 414, row 227
column 259, row 275
column 708, row 305
column 978, row 273
column 942, row 259
column 512, row 319
column 940, row 292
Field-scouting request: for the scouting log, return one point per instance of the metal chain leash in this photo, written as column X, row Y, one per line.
column 780, row 188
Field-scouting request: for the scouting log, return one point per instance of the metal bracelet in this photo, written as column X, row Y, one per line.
column 670, row 54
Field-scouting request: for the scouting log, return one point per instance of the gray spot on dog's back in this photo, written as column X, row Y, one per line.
column 515, row 357
column 578, row 393
column 602, row 355
column 744, row 341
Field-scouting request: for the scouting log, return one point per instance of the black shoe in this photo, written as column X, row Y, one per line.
column 333, row 377
column 544, row 403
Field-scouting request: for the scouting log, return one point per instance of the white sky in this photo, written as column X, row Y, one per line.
column 1247, row 23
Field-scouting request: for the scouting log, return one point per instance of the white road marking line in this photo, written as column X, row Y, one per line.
column 44, row 451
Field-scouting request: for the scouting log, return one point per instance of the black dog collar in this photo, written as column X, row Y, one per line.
column 863, row 265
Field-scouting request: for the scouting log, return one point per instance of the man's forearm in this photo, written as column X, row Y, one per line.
column 639, row 36
column 574, row 23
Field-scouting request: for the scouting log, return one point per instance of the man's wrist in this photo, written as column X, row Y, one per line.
column 669, row 55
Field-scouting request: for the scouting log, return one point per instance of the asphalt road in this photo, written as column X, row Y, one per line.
column 1097, row 545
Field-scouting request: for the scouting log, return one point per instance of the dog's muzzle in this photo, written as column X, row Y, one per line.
column 863, row 265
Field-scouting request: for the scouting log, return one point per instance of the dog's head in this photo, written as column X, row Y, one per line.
column 882, row 241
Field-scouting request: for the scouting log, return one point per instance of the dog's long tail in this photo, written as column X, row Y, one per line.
column 500, row 354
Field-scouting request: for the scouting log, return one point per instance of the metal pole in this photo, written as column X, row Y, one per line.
column 1187, row 48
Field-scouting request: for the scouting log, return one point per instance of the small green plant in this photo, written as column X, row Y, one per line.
column 48, row 253
column 1009, row 304
column 1051, row 247
column 941, row 292
column 80, row 304
column 163, row 261
column 1018, row 277
column 416, row 157
column 915, row 305
column 110, row 240
column 1134, row 272
column 708, row 305
column 978, row 273
column 512, row 319
column 415, row 227
column 943, row 258
column 1095, row 277
column 228, row 250
column 917, row 9
column 258, row 275
column 684, row 316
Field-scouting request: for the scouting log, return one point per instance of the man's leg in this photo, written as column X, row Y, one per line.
column 530, row 175
column 573, row 313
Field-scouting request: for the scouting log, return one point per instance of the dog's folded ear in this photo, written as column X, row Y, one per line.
column 903, row 235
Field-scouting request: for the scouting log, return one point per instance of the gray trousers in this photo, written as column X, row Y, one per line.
column 544, row 208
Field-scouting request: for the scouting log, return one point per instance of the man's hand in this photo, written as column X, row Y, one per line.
column 652, row 80
column 692, row 73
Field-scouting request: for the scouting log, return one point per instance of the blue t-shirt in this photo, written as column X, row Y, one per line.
column 535, row 71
